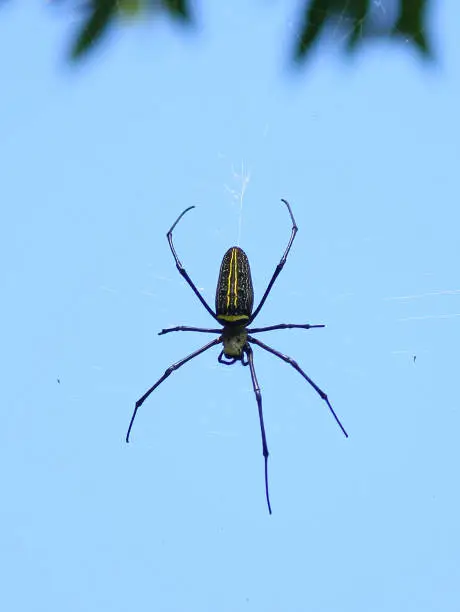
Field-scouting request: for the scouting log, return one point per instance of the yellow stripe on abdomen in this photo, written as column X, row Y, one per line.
column 232, row 272
column 233, row 318
column 235, row 282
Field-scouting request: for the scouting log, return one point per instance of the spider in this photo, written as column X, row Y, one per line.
column 234, row 312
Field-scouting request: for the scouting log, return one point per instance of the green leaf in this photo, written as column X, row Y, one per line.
column 178, row 8
column 359, row 14
column 316, row 14
column 101, row 14
column 411, row 24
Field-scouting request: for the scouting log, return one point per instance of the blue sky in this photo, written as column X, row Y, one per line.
column 97, row 162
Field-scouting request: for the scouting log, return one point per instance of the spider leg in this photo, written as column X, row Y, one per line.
column 181, row 268
column 174, row 366
column 222, row 359
column 280, row 266
column 256, row 330
column 258, row 395
column 186, row 328
column 231, row 360
column 295, row 365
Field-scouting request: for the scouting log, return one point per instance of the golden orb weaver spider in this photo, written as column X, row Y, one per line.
column 234, row 303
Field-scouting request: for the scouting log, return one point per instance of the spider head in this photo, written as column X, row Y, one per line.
column 234, row 338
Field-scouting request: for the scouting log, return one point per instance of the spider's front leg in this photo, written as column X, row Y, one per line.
column 296, row 366
column 168, row 372
column 258, row 394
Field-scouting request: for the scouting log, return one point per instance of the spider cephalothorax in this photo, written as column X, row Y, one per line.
column 234, row 311
column 234, row 339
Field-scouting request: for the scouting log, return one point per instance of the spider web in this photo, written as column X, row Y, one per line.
column 237, row 191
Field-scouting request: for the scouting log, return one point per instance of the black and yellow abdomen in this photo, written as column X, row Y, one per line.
column 234, row 293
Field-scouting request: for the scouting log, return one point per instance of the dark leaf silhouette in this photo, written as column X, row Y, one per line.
column 357, row 20
column 411, row 24
column 100, row 15
column 361, row 19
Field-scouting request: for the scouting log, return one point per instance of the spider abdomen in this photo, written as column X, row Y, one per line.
column 234, row 293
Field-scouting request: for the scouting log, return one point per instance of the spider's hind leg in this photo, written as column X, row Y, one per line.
column 182, row 271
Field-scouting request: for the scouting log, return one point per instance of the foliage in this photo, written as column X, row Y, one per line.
column 360, row 20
